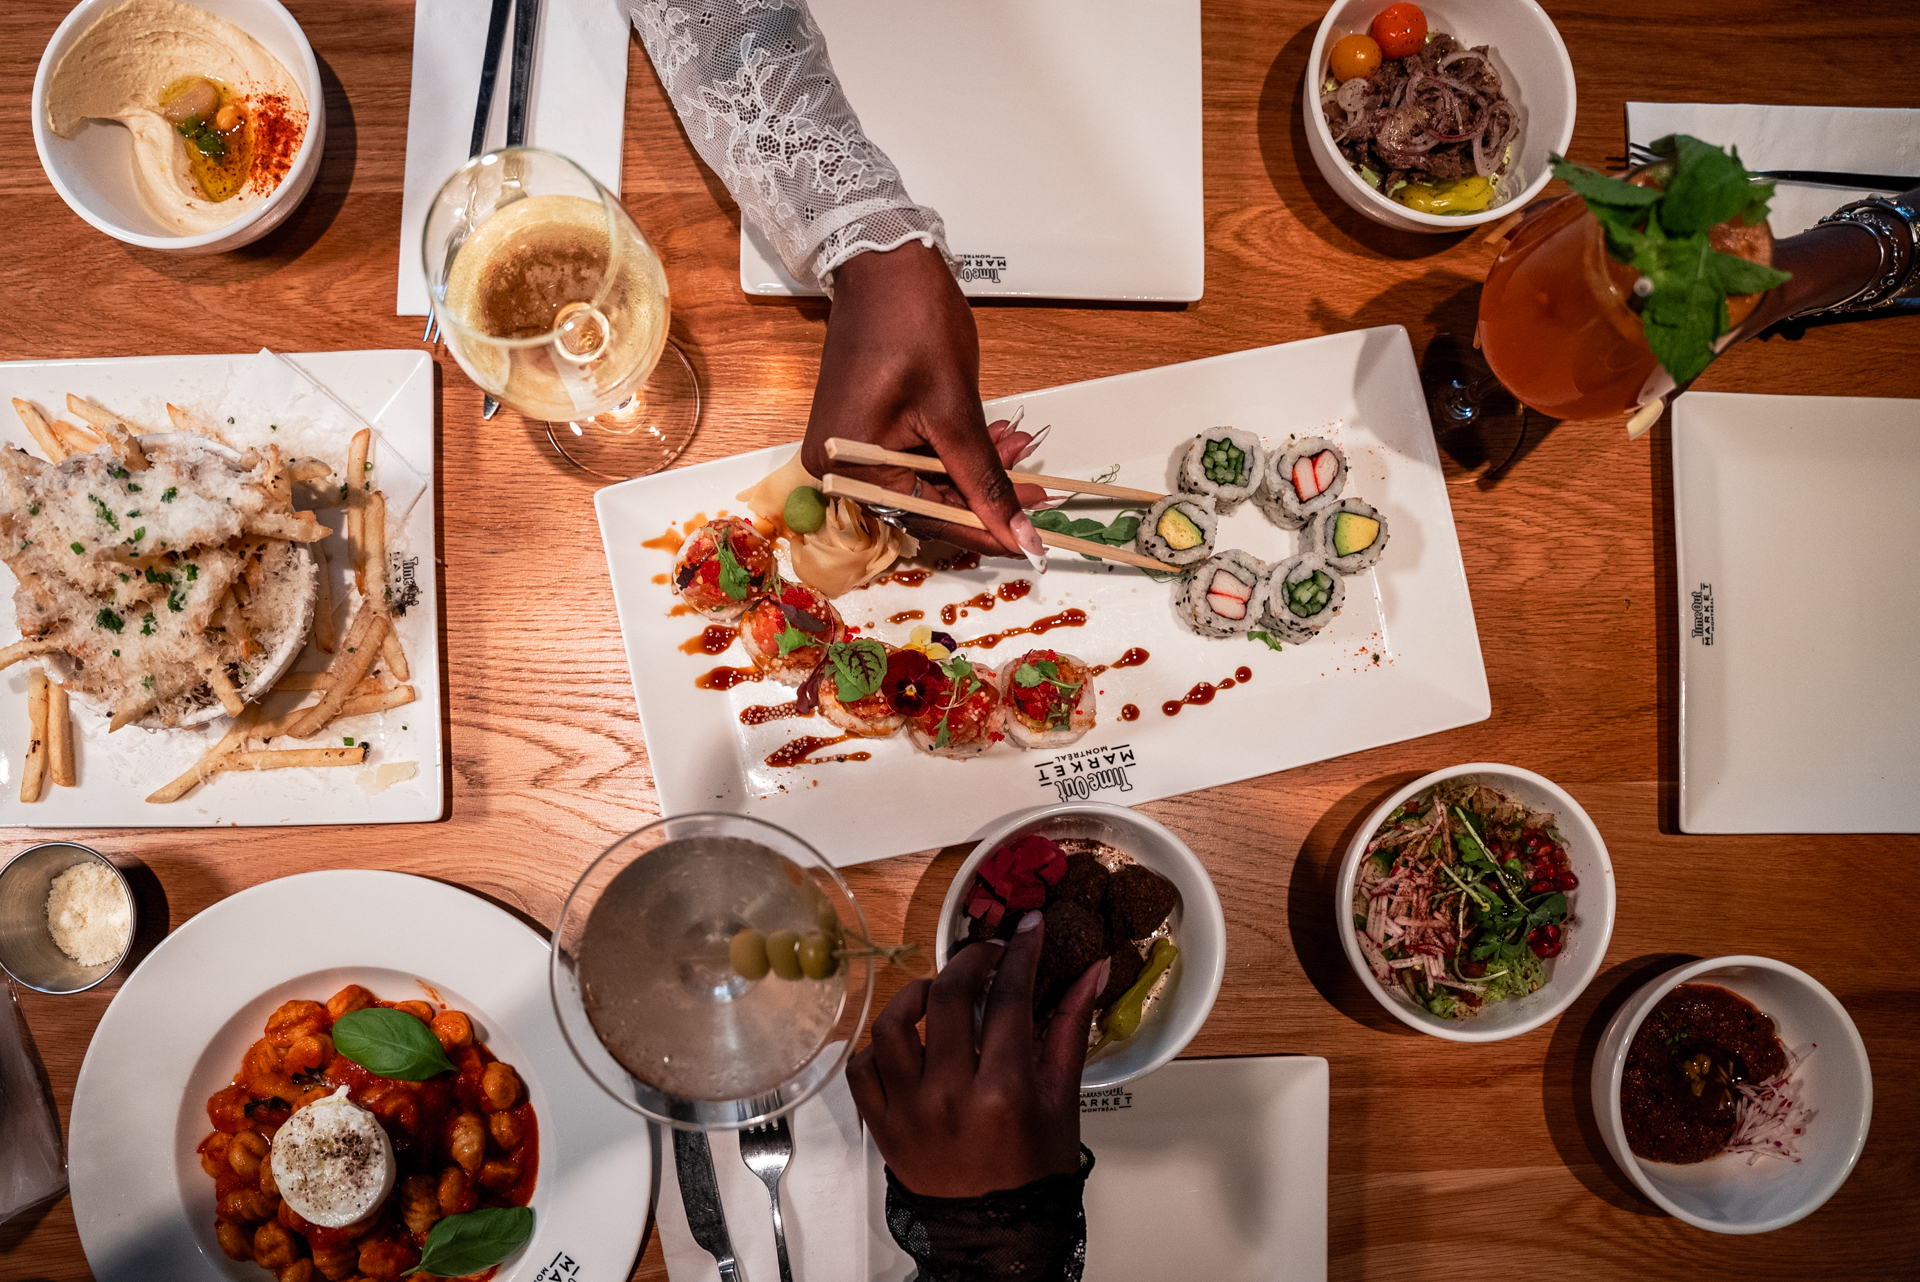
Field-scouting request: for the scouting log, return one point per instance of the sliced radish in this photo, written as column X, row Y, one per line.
column 1324, row 464
column 1304, row 482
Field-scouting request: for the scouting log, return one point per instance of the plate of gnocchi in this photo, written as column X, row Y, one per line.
column 349, row 1074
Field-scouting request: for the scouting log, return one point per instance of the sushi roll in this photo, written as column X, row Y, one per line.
column 786, row 633
column 965, row 714
column 1350, row 535
column 722, row 567
column 883, row 709
column 1050, row 699
column 1305, row 478
column 1303, row 595
column 1226, row 463
column 1223, row 596
column 1178, row 529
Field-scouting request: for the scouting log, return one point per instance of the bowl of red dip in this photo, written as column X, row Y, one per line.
column 1734, row 1092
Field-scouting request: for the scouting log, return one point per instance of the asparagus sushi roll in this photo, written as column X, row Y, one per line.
column 1050, row 699
column 1226, row 463
column 1303, row 595
column 1350, row 535
column 1178, row 529
column 1303, row 479
column 1223, row 596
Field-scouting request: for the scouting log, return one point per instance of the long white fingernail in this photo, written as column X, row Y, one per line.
column 1034, row 444
column 1018, row 414
column 1028, row 539
column 1029, row 922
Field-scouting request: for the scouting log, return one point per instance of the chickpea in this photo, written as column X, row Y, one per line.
column 453, row 1029
column 336, row 1263
column 467, row 1142
column 349, row 999
column 213, row 1153
column 419, row 1010
column 385, row 1259
column 245, row 1152
column 456, row 1192
column 419, row 1204
column 314, row 1051
column 273, row 1246
column 498, row 1173
column 262, row 1057
column 225, row 119
column 294, row 1020
column 245, row 1206
column 234, row 1241
column 507, row 1131
column 499, row 1086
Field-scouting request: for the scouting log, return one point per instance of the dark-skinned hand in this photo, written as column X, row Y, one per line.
column 959, row 1116
column 900, row 369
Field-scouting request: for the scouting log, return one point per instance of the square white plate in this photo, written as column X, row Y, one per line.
column 1059, row 141
column 1796, row 518
column 392, row 390
column 1306, row 703
column 1207, row 1168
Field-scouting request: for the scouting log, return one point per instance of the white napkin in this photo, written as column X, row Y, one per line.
column 577, row 102
column 1876, row 140
column 823, row 1199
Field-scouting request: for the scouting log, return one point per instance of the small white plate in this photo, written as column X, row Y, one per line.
column 393, row 391
column 1306, row 703
column 1795, row 519
column 1059, row 141
column 179, row 1025
column 1207, row 1168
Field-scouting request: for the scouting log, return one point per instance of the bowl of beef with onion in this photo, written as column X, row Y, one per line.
column 1437, row 117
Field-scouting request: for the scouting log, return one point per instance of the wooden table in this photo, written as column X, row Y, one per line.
column 1446, row 1160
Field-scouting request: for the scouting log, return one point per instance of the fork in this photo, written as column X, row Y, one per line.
column 766, row 1149
column 1641, row 154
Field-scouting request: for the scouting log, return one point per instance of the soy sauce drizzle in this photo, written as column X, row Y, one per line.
column 1129, row 712
column 660, row 579
column 799, row 752
column 668, row 542
column 1131, row 659
column 717, row 639
column 906, row 616
column 950, row 614
column 905, row 578
column 1064, row 619
column 725, row 678
column 761, row 713
column 1204, row 692
column 678, row 610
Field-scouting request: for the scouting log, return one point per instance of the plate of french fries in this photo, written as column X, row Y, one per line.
column 223, row 591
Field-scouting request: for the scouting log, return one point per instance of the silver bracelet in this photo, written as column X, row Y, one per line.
column 1898, row 258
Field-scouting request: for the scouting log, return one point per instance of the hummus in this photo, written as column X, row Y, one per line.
column 216, row 119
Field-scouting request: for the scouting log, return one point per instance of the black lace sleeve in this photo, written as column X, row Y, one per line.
column 1035, row 1233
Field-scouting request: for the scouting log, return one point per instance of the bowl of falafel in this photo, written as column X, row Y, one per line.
column 1111, row 884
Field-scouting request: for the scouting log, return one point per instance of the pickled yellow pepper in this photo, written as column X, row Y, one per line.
column 1122, row 1019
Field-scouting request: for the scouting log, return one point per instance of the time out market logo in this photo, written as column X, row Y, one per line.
column 985, row 267
column 1078, row 775
column 1703, row 614
column 561, row 1268
column 1113, row 1100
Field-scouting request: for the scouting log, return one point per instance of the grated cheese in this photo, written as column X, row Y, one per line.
column 88, row 913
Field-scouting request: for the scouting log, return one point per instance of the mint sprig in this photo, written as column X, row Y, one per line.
column 1662, row 231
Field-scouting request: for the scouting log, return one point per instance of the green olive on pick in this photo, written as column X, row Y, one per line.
column 806, row 510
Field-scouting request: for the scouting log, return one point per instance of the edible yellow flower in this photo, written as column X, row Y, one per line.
column 921, row 639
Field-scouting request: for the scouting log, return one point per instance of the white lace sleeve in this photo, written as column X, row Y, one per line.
column 758, row 97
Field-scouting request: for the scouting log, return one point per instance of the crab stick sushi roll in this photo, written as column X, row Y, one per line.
column 964, row 714
column 786, row 632
column 1178, row 529
column 722, row 567
column 848, row 695
column 1050, row 699
column 1226, row 463
column 1304, row 478
column 1223, row 595
column 1303, row 596
column 1350, row 535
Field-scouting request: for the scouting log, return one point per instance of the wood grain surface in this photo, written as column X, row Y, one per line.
column 1447, row 1160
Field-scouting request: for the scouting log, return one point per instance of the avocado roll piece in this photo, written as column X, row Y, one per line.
column 1178, row 529
column 1351, row 535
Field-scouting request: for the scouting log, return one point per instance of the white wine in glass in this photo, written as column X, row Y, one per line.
column 554, row 303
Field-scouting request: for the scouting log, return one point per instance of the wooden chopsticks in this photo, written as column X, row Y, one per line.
column 862, row 492
column 842, row 450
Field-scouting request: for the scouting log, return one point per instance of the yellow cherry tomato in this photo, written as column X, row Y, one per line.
column 1355, row 57
column 1401, row 29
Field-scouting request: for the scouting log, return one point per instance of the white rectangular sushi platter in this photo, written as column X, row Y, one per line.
column 1402, row 660
column 318, row 400
column 1799, row 635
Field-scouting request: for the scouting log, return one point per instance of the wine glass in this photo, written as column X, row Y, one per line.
column 662, row 995
column 554, row 303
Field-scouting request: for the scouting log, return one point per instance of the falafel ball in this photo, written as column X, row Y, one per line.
column 1138, row 900
column 1084, row 882
column 1127, row 965
column 1074, row 940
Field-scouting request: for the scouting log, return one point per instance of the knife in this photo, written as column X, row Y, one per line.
column 700, row 1192
column 489, row 73
column 526, row 27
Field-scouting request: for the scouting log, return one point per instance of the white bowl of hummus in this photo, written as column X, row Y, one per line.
column 191, row 128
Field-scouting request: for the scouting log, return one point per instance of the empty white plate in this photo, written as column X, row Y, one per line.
column 1796, row 519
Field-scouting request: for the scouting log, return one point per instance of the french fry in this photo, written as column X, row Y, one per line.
column 291, row 758
column 395, row 655
column 33, row 771
column 29, row 647
column 77, row 439
column 234, row 738
column 60, row 737
column 185, row 420
column 296, row 527
column 312, row 469
column 373, row 541
column 358, row 480
column 295, row 682
column 383, row 701
column 323, row 600
column 215, row 671
column 40, row 430
column 133, row 712
column 116, row 433
column 356, row 653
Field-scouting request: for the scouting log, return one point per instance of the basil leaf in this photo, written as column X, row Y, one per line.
column 734, row 579
column 391, row 1044
column 858, row 668
column 474, row 1240
column 1267, row 639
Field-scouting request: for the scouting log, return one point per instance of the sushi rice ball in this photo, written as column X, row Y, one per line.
column 722, row 567
column 1178, row 530
column 1303, row 596
column 1224, row 595
column 1305, row 478
column 1050, row 699
column 786, row 633
column 966, row 713
column 1351, row 535
column 1226, row 463
column 876, row 714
